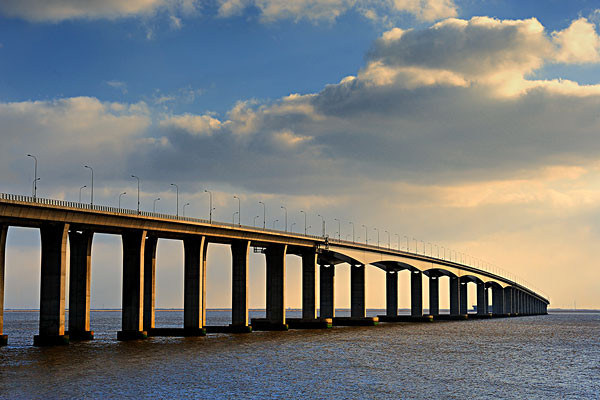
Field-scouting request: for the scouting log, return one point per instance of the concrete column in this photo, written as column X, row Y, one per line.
column 357, row 291
column 463, row 298
column 149, row 281
column 454, row 295
column 194, row 307
column 275, row 256
column 416, row 294
column 327, row 308
column 132, row 317
column 80, row 247
column 508, row 304
column 3, row 232
column 391, row 293
column 498, row 300
column 482, row 300
column 239, row 282
column 434, row 295
column 53, row 279
column 309, row 284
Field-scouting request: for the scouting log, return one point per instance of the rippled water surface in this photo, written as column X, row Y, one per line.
column 554, row 356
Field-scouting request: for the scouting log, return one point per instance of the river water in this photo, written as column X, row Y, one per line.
column 539, row 357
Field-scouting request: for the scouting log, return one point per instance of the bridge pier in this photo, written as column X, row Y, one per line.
column 149, row 282
column 463, row 298
column 194, row 292
column 309, row 285
column 239, row 285
column 391, row 293
column 275, row 256
column 132, row 321
column 416, row 294
column 357, row 291
column 508, row 304
column 454, row 295
column 327, row 307
column 53, row 280
column 482, row 299
column 80, row 246
column 498, row 300
column 434, row 295
column 3, row 233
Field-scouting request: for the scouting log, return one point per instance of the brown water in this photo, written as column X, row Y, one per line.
column 541, row 357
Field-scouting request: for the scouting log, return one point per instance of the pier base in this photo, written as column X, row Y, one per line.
column 228, row 329
column 318, row 323
column 131, row 335
column 3, row 340
column 176, row 332
column 448, row 317
column 406, row 318
column 349, row 321
column 263, row 324
column 80, row 335
column 50, row 340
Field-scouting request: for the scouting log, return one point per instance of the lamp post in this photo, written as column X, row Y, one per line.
column 233, row 217
column 274, row 222
column 83, row 187
column 92, row 188
column 210, row 207
column 120, row 195
column 322, row 223
column 254, row 222
column 305, row 229
column 339, row 228
column 376, row 229
column 177, row 199
column 239, row 210
column 285, row 208
column 35, row 178
column 186, row 204
column 292, row 227
column 389, row 245
column 264, row 214
column 154, row 204
column 352, row 223
column 398, row 238
column 366, row 234
column 138, row 192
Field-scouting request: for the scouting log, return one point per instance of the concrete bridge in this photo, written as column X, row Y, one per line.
column 61, row 221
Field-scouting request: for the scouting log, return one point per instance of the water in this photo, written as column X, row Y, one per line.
column 541, row 357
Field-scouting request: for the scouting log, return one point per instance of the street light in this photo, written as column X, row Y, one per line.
column 254, row 222
column 366, row 234
column 292, row 227
column 398, row 238
column 233, row 217
column 177, row 199
column 339, row 228
column 305, row 229
column 376, row 229
column 92, row 188
column 121, row 194
column 239, row 210
column 210, row 210
column 274, row 222
column 352, row 223
column 285, row 208
column 407, row 244
column 154, row 204
column 389, row 245
column 138, row 192
column 186, row 204
column 264, row 214
column 35, row 178
column 84, row 186
column 322, row 223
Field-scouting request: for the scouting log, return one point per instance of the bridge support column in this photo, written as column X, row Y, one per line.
column 508, row 304
column 454, row 295
column 327, row 307
column 357, row 291
column 463, row 298
column 497, row 300
column 239, row 283
column 309, row 285
column 53, row 279
column 275, row 256
column 194, row 291
column 434, row 295
column 80, row 246
column 149, row 281
column 416, row 294
column 482, row 300
column 132, row 317
column 391, row 293
column 3, row 232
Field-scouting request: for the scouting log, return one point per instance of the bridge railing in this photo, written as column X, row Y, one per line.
column 457, row 259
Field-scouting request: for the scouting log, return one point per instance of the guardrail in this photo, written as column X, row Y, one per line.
column 479, row 264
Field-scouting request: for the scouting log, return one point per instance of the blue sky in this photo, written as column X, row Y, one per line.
column 416, row 116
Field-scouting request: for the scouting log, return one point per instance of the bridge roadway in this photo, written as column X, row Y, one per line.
column 60, row 222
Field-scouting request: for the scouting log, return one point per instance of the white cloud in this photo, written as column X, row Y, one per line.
column 579, row 43
column 60, row 10
column 196, row 124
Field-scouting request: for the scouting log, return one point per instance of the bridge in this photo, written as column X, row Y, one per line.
column 61, row 222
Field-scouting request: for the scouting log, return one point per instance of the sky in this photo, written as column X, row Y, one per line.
column 470, row 125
